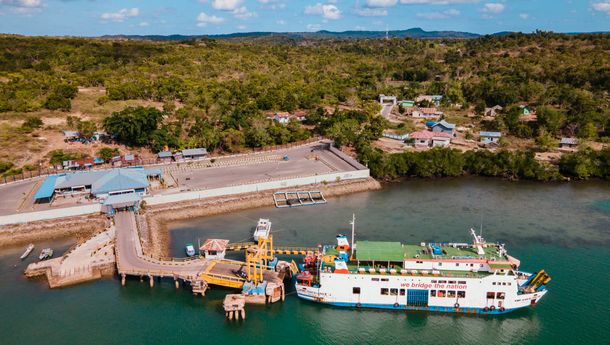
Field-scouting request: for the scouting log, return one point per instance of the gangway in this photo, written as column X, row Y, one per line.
column 298, row 198
column 285, row 250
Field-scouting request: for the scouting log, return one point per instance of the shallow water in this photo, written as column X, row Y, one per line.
column 563, row 228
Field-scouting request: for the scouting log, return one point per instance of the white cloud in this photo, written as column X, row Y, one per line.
column 22, row 3
column 121, row 15
column 603, row 6
column 241, row 27
column 204, row 19
column 313, row 27
column 226, row 5
column 439, row 15
column 143, row 24
column 381, row 3
column 280, row 22
column 493, row 7
column 371, row 12
column 328, row 11
column 524, row 16
column 243, row 13
column 25, row 7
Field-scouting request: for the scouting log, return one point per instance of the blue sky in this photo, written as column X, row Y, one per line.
column 100, row 17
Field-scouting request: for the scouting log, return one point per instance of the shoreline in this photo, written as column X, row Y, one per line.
column 156, row 238
column 79, row 228
column 154, row 232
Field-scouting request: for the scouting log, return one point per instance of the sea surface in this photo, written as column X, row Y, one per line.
column 563, row 228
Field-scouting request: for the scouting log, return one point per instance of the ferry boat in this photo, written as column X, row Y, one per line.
column 473, row 278
column 190, row 249
column 263, row 229
column 28, row 250
column 46, row 253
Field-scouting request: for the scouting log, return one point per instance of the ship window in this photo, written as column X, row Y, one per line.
column 481, row 265
column 419, row 262
column 394, row 292
column 384, row 291
column 432, row 293
column 441, row 293
column 491, row 295
column 508, row 284
column 385, row 279
column 457, row 263
column 500, row 295
column 451, row 294
column 451, row 282
column 433, row 282
column 461, row 294
column 375, row 279
column 402, row 292
column 440, row 264
column 494, row 283
column 471, row 265
column 462, row 282
column 442, row 282
column 356, row 291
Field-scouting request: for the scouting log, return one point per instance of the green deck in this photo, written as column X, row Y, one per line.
column 379, row 251
column 412, row 251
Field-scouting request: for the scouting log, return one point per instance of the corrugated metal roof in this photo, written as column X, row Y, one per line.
column 379, row 251
column 79, row 179
column 490, row 134
column 120, row 179
column 194, row 152
column 47, row 188
column 445, row 124
column 122, row 200
column 569, row 141
column 165, row 154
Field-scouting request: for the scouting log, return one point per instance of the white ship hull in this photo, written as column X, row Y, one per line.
column 440, row 294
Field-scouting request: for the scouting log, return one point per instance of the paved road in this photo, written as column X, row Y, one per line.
column 130, row 259
column 386, row 110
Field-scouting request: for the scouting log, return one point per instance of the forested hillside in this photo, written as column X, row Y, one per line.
column 215, row 93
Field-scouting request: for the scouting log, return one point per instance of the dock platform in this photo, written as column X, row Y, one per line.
column 298, row 198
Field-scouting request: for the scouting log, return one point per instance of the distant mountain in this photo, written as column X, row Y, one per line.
column 323, row 34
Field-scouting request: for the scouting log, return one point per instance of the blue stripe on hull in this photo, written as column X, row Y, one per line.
column 437, row 309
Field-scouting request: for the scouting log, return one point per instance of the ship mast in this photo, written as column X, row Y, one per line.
column 353, row 223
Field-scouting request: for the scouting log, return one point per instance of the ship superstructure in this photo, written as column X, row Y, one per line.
column 476, row 277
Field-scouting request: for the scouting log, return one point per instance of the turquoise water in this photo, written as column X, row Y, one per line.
column 559, row 227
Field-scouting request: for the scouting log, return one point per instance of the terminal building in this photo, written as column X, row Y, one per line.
column 99, row 184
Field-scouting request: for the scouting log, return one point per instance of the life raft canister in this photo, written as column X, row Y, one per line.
column 456, row 306
column 395, row 305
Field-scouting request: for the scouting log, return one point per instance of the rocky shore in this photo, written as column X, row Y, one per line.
column 78, row 227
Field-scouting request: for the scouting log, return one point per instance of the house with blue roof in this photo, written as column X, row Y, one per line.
column 443, row 127
column 489, row 137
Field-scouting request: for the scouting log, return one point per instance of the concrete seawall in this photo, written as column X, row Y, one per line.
column 156, row 238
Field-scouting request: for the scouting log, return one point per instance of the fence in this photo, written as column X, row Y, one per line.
column 50, row 214
column 27, row 175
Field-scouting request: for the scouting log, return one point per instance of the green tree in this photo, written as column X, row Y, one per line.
column 133, row 126
column 551, row 119
column 87, row 129
column 588, row 131
column 106, row 153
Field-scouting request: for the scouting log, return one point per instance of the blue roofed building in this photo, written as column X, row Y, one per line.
column 489, row 137
column 443, row 127
column 99, row 184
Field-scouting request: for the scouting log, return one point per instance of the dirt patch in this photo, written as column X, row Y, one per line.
column 78, row 227
column 157, row 217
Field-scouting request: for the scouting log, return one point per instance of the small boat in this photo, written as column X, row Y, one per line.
column 46, row 253
column 27, row 252
column 190, row 250
column 263, row 229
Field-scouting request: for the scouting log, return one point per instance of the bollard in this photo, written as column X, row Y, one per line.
column 123, row 279
column 152, row 281
column 141, row 279
column 243, row 314
column 177, row 283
